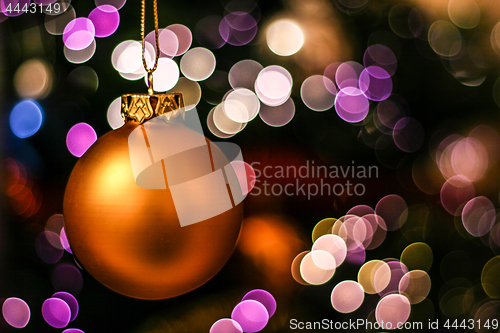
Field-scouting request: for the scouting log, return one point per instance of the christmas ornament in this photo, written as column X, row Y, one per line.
column 135, row 205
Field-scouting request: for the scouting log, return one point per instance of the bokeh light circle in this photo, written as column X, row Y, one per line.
column 415, row 285
column 445, row 38
column 284, row 37
column 347, row 296
column 315, row 94
column 79, row 139
column 166, row 75
column 295, row 268
column 334, row 245
column 106, row 20
column 56, row 312
column 33, row 79
column 277, row 116
column 264, row 297
column 114, row 114
column 26, row 118
column 478, row 216
column 375, row 83
column 351, row 105
column 381, row 56
column 465, row 14
column 198, row 64
column 223, row 122
column 127, row 56
column 226, row 325
column 393, row 210
column 392, row 310
column 251, row 315
column 273, row 85
column 184, row 37
column 238, row 28
column 71, row 301
column 417, row 256
column 408, row 134
column 80, row 56
column 191, row 92
column 244, row 73
column 79, row 33
column 45, row 249
column 489, row 277
column 317, row 267
column 16, row 312
column 455, row 193
column 249, row 102
column 368, row 278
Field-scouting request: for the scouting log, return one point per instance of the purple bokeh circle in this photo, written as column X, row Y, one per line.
column 375, row 83
column 73, row 330
column 67, row 277
column 348, row 73
column 381, row 56
column 44, row 248
column 251, row 315
column 234, row 36
column 79, row 34
column 106, row 20
column 264, row 297
column 56, row 312
column 70, row 300
column 80, row 137
column 351, row 105
column 16, row 312
column 398, row 270
column 240, row 21
column 408, row 134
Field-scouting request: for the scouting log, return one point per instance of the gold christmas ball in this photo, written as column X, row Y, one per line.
column 129, row 238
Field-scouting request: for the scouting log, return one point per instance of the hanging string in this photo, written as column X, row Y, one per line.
column 157, row 50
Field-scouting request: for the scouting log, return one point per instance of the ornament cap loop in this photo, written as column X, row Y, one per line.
column 150, row 83
column 142, row 107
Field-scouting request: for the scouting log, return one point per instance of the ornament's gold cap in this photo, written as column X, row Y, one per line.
column 142, row 107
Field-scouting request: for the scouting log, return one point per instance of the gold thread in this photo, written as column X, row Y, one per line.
column 157, row 51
